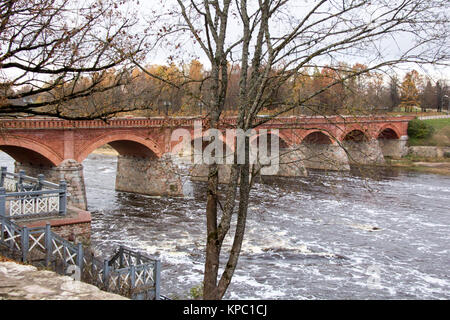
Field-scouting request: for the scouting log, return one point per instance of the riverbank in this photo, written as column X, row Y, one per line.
column 440, row 136
column 426, row 165
column 25, row 282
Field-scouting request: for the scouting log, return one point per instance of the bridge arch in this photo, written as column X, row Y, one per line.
column 227, row 149
column 124, row 144
column 283, row 140
column 25, row 150
column 355, row 135
column 388, row 132
column 318, row 137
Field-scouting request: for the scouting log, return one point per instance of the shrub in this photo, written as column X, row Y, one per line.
column 419, row 129
column 196, row 293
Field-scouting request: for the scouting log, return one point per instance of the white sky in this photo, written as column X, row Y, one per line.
column 189, row 49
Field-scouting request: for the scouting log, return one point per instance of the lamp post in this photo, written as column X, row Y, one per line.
column 200, row 105
column 448, row 101
column 167, row 104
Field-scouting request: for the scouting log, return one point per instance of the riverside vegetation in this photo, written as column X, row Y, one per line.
column 427, row 133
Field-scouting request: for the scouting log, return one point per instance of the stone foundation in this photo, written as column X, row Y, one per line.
column 394, row 148
column 199, row 172
column 291, row 164
column 156, row 177
column 364, row 153
column 325, row 157
column 70, row 171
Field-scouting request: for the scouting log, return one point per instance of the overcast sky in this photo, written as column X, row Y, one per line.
column 389, row 46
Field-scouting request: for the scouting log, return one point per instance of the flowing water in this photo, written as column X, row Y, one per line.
column 355, row 235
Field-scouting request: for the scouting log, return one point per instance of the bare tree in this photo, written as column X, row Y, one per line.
column 64, row 50
column 54, row 51
column 271, row 41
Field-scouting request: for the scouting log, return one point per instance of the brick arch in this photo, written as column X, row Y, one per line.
column 284, row 140
column 26, row 150
column 355, row 131
column 388, row 127
column 228, row 149
column 318, row 137
column 124, row 144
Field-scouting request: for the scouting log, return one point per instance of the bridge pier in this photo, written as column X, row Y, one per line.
column 324, row 157
column 291, row 163
column 156, row 177
column 394, row 148
column 69, row 170
column 364, row 152
column 199, row 172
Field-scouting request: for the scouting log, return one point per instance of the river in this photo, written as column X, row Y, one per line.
column 366, row 234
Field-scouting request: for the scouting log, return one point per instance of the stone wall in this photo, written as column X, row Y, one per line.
column 70, row 171
column 75, row 226
column 429, row 152
column 394, row 148
column 156, row 177
column 364, row 152
column 291, row 164
column 199, row 172
column 78, row 233
column 324, row 157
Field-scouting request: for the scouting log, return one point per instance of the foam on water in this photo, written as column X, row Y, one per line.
column 315, row 237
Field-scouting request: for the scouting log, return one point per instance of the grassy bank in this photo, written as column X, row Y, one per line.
column 440, row 137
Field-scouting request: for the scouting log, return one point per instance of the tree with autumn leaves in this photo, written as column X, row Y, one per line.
column 264, row 55
column 181, row 91
column 409, row 91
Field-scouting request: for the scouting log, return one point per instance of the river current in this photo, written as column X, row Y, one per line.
column 362, row 234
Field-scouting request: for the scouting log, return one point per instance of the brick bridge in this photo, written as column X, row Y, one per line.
column 58, row 147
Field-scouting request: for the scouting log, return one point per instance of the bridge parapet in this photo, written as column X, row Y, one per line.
column 51, row 123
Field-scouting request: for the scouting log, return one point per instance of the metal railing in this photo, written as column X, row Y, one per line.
column 128, row 273
column 24, row 196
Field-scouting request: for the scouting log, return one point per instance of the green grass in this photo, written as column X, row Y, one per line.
column 438, row 124
column 441, row 136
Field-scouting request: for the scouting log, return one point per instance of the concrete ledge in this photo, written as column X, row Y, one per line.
column 24, row 282
column 74, row 216
column 75, row 226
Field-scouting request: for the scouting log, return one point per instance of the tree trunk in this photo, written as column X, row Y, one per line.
column 212, row 247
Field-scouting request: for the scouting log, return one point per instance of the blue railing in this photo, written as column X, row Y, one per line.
column 128, row 273
column 24, row 196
